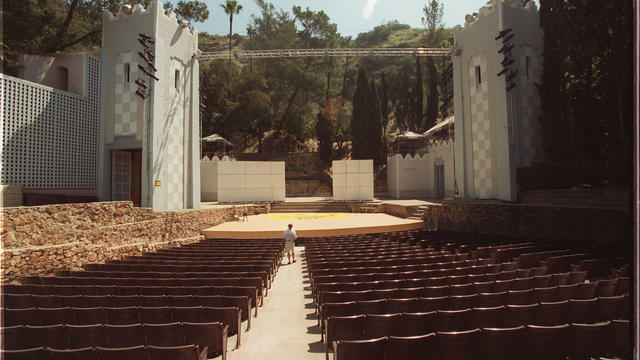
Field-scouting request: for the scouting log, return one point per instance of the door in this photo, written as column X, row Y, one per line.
column 120, row 175
column 439, row 181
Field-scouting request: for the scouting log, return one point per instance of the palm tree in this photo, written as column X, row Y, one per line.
column 231, row 7
column 250, row 31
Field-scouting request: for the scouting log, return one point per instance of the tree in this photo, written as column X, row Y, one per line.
column 192, row 11
column 432, row 95
column 433, row 13
column 230, row 8
column 358, row 117
column 419, row 95
column 324, row 132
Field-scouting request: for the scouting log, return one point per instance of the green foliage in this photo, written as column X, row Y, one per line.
column 192, row 11
column 432, row 95
column 419, row 95
column 324, row 132
column 366, row 124
column 587, row 81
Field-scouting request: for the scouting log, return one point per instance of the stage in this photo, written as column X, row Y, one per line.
column 311, row 224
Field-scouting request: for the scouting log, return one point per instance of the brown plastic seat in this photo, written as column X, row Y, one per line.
column 516, row 315
column 18, row 301
column 546, row 342
column 400, row 305
column 559, row 279
column 376, row 326
column 457, row 345
column 618, row 339
column 437, row 291
column 36, row 353
column 153, row 300
column 371, row 306
column 546, row 294
column 553, row 313
column 124, row 335
column 622, row 286
column 429, row 304
column 89, row 316
column 46, row 301
column 413, row 324
column 343, row 328
column 492, row 299
column 606, row 287
column 81, row 336
column 180, row 300
column 370, row 349
column 410, row 347
column 78, row 301
column 125, row 300
column 454, row 320
column 14, row 337
column 155, row 315
column 480, row 287
column 183, row 352
column 523, row 283
column 487, row 317
column 613, row 308
column 26, row 316
column 502, row 343
column 129, row 353
column 577, row 277
column 170, row 334
column 587, row 340
column 52, row 316
column 459, row 302
column 541, row 281
column 98, row 300
column 461, row 289
column 585, row 291
column 86, row 353
column 519, row 297
column 122, row 315
column 583, row 311
column 51, row 335
column 210, row 337
column 188, row 313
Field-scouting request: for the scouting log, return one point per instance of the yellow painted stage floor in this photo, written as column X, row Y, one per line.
column 311, row 224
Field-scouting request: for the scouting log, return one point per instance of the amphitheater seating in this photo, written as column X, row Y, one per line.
column 513, row 294
column 164, row 306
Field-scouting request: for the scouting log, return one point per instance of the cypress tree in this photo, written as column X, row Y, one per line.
column 375, row 126
column 419, row 94
column 359, row 116
column 432, row 96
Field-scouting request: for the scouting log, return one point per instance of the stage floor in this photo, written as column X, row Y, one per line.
column 311, row 224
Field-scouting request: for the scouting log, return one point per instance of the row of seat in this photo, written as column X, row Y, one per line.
column 179, row 268
column 434, row 266
column 409, row 260
column 230, row 316
column 150, row 352
column 256, row 282
column 555, row 313
column 23, row 301
column 91, row 290
column 576, row 341
column 485, row 282
column 211, row 336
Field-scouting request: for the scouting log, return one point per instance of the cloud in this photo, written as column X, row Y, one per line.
column 368, row 9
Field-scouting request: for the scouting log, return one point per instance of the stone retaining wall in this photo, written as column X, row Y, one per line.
column 39, row 240
column 591, row 223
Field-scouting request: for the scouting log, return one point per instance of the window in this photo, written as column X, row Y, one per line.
column 177, row 80
column 127, row 73
column 478, row 76
column 527, row 64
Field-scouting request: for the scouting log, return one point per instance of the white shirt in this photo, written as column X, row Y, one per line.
column 290, row 235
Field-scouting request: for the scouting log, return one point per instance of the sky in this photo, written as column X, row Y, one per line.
column 351, row 16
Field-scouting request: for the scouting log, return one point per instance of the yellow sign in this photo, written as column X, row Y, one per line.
column 157, row 182
column 304, row 216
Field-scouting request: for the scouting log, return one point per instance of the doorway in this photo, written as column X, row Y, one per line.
column 439, row 181
column 126, row 175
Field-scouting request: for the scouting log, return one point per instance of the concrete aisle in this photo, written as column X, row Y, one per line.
column 286, row 325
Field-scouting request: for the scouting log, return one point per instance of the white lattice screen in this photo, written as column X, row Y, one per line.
column 49, row 137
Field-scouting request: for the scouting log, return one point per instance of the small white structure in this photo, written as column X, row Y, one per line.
column 240, row 181
column 353, row 180
column 496, row 128
column 422, row 176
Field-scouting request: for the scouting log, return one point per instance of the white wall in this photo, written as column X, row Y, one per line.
column 353, row 180
column 237, row 181
column 414, row 177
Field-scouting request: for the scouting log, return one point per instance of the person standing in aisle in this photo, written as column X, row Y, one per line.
column 290, row 243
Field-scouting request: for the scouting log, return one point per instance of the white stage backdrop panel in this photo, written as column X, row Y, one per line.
column 353, row 180
column 238, row 181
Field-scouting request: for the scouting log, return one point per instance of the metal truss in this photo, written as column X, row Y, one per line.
column 338, row 52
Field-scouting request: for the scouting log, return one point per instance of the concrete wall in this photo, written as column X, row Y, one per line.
column 49, row 136
column 353, row 180
column 62, row 71
column 496, row 130
column 240, row 181
column 164, row 124
column 414, row 177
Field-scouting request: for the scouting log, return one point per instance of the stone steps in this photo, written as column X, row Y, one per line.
column 309, row 207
